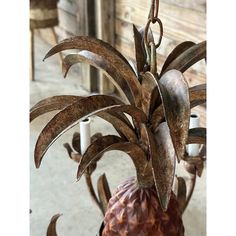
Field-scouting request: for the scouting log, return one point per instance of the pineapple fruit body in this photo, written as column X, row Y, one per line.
column 135, row 211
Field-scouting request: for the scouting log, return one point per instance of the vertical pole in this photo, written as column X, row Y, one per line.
column 86, row 26
column 105, row 28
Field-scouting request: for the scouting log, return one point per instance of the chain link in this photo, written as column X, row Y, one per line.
column 153, row 14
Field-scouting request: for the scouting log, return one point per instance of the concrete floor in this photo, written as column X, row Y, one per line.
column 53, row 188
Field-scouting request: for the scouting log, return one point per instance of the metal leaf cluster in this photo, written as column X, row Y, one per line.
column 159, row 104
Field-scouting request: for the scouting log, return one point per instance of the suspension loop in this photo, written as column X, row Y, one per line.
column 147, row 43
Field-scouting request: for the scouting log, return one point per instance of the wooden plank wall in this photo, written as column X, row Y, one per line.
column 182, row 20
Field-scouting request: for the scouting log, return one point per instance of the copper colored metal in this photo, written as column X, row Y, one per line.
column 177, row 51
column 111, row 70
column 197, row 135
column 188, row 58
column 139, row 50
column 68, row 118
column 104, row 192
column 108, row 53
column 182, row 193
column 163, row 164
column 197, row 95
column 175, row 99
column 52, row 104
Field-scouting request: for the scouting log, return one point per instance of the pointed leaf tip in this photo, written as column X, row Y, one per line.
column 163, row 165
column 51, row 230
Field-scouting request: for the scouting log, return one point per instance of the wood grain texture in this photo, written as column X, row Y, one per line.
column 179, row 23
column 105, row 30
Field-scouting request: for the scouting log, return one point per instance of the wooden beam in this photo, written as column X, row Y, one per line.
column 86, row 26
column 105, row 26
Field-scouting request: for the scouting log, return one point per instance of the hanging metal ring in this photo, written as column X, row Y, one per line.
column 145, row 39
column 146, row 32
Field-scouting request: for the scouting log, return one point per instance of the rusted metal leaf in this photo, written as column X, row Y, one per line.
column 112, row 142
column 181, row 193
column 51, row 231
column 101, row 229
column 188, row 58
column 177, row 51
column 157, row 117
column 191, row 169
column 148, row 140
column 74, row 156
column 68, row 118
column 108, row 53
column 122, row 128
column 197, row 95
column 92, row 191
column 111, row 70
column 163, row 164
column 175, row 99
column 104, row 192
column 52, row 104
column 198, row 162
column 150, row 94
column 120, row 115
column 96, row 148
column 76, row 142
column 137, row 114
column 96, row 136
column 197, row 135
column 139, row 50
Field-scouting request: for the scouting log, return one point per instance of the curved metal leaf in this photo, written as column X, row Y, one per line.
column 95, row 149
column 111, row 70
column 68, row 118
column 182, row 193
column 73, row 156
column 122, row 128
column 188, row 58
column 175, row 99
column 104, row 192
column 177, row 51
column 197, row 95
column 197, row 135
column 148, row 140
column 76, row 142
column 157, row 117
column 150, row 94
column 137, row 114
column 52, row 104
column 163, row 164
column 108, row 53
column 139, row 51
column 51, row 231
column 112, row 142
column 101, row 229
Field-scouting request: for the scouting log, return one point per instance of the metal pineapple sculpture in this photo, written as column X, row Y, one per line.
column 155, row 137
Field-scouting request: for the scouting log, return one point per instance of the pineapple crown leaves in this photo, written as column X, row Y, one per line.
column 159, row 106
